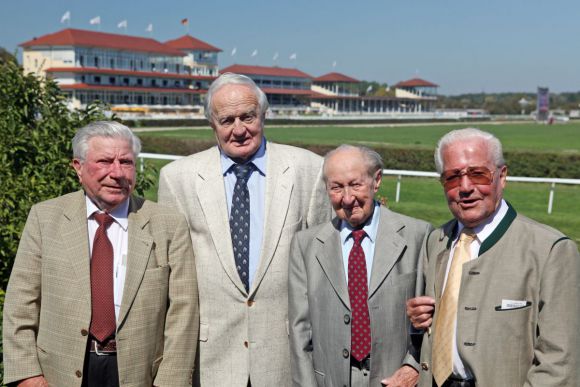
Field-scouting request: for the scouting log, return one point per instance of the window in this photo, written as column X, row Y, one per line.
column 81, row 60
column 96, row 61
column 97, row 79
column 139, row 82
column 112, row 63
column 126, row 81
column 112, row 80
column 177, row 68
column 154, row 82
column 164, row 82
column 152, row 66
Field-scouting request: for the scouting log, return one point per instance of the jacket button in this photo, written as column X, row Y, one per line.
column 78, row 373
column 424, row 366
column 346, row 319
column 246, row 344
column 84, row 332
column 345, row 353
column 250, row 302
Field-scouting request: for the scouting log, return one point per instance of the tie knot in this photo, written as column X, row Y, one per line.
column 358, row 235
column 243, row 171
column 467, row 235
column 103, row 219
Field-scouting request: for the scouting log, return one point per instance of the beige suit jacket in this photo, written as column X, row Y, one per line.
column 319, row 305
column 47, row 312
column 522, row 260
column 245, row 335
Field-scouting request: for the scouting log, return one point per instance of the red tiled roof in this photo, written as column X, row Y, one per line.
column 84, row 38
column 94, row 70
column 264, row 70
column 416, row 82
column 84, row 86
column 335, row 77
column 274, row 90
column 188, row 42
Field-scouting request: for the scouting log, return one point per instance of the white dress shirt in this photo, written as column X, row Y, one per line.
column 368, row 243
column 482, row 232
column 119, row 236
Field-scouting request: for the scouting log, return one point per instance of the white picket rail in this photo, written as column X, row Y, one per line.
column 400, row 173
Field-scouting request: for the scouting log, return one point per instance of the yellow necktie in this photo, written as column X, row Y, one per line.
column 447, row 314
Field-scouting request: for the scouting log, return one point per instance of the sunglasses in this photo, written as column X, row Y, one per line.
column 477, row 175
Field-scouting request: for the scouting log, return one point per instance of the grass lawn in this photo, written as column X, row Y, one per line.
column 514, row 136
column 423, row 198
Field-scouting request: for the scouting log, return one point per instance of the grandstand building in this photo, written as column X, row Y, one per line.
column 136, row 73
column 142, row 76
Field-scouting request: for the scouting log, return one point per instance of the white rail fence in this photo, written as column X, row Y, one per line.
column 400, row 173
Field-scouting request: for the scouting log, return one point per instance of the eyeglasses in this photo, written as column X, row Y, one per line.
column 477, row 175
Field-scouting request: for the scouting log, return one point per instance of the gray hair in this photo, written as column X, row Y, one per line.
column 234, row 79
column 110, row 129
column 373, row 160
column 494, row 147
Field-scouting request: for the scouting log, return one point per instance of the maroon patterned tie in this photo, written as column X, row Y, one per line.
column 358, row 293
column 103, row 322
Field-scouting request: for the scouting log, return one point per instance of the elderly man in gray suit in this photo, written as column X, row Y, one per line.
column 504, row 288
column 244, row 200
column 103, row 289
column 349, row 280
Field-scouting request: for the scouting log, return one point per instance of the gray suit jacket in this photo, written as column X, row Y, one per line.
column 47, row 312
column 245, row 334
column 319, row 306
column 535, row 345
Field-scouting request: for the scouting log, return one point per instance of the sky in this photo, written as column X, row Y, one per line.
column 464, row 46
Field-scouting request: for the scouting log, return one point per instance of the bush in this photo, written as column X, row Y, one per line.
column 531, row 164
column 36, row 128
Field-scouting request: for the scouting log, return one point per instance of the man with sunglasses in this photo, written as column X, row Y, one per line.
column 501, row 304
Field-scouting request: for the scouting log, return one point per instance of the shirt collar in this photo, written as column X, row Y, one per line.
column 371, row 226
column 486, row 228
column 258, row 159
column 119, row 214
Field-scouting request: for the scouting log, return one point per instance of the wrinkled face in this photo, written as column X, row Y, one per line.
column 108, row 173
column 350, row 189
column 237, row 121
column 469, row 202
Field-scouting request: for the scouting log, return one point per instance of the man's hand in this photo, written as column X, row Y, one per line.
column 420, row 311
column 406, row 376
column 35, row 381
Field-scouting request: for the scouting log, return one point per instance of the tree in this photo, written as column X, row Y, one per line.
column 36, row 129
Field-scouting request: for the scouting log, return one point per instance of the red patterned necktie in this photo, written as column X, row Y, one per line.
column 103, row 322
column 358, row 293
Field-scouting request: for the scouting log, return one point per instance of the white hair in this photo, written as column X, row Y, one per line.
column 373, row 160
column 234, row 79
column 493, row 144
column 110, row 129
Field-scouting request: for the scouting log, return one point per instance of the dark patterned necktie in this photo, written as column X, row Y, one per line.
column 103, row 322
column 240, row 221
column 358, row 294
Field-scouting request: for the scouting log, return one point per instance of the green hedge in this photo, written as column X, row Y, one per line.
column 531, row 164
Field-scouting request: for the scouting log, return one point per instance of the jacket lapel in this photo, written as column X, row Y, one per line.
column 75, row 236
column 279, row 183
column 389, row 246
column 445, row 239
column 212, row 199
column 140, row 243
column 329, row 255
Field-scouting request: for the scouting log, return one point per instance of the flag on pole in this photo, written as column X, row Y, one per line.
column 185, row 21
column 122, row 24
column 234, row 50
column 149, row 28
column 275, row 58
column 293, row 56
column 65, row 17
column 369, row 89
column 254, row 53
column 96, row 20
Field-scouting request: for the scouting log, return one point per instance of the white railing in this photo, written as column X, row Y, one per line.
column 400, row 173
